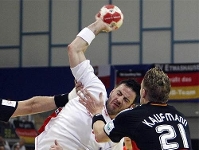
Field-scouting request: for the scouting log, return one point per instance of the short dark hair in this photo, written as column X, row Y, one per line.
column 157, row 85
column 134, row 85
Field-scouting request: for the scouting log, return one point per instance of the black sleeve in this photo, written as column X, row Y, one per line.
column 61, row 100
column 7, row 108
column 119, row 127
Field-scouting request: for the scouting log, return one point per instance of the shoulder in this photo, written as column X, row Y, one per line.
column 174, row 110
column 139, row 112
column 127, row 112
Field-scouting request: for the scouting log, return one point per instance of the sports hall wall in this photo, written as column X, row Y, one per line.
column 35, row 35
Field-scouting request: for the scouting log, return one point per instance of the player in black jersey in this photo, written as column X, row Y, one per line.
column 154, row 125
column 36, row 104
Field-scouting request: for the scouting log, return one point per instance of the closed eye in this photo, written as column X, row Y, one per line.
column 119, row 93
column 126, row 100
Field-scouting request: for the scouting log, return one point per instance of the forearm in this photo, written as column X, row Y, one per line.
column 76, row 51
column 97, row 26
column 77, row 48
column 100, row 135
column 37, row 104
column 98, row 123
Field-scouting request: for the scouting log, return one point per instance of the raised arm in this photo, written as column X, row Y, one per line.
column 79, row 45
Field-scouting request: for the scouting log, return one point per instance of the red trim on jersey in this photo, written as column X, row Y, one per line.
column 134, row 145
column 53, row 115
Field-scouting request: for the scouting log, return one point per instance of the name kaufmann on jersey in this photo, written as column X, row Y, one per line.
column 162, row 117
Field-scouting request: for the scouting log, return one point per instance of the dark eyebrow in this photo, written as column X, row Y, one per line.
column 125, row 98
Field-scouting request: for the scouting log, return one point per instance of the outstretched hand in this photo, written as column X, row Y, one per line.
column 92, row 104
column 56, row 146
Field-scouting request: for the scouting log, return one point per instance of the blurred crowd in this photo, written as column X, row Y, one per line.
column 4, row 145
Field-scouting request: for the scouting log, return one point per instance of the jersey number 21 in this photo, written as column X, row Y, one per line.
column 171, row 134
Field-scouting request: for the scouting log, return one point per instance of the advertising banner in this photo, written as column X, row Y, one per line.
column 130, row 71
column 184, row 80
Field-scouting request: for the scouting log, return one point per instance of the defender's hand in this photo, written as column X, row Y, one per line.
column 92, row 104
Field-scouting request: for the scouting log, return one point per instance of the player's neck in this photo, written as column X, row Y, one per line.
column 158, row 104
column 112, row 116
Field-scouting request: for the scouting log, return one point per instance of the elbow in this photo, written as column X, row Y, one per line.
column 70, row 49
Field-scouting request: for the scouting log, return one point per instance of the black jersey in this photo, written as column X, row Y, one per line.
column 152, row 127
column 7, row 108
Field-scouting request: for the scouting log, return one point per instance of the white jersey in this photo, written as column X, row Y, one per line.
column 72, row 127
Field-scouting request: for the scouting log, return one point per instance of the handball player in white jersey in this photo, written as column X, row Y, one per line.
column 72, row 126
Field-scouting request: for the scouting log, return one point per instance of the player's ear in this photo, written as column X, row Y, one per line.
column 144, row 93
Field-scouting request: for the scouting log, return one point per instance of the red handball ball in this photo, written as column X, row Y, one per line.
column 111, row 15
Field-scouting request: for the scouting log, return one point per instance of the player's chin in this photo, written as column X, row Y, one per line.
column 115, row 107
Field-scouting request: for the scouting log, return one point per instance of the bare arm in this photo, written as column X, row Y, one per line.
column 95, row 107
column 78, row 46
column 98, row 129
column 39, row 104
column 35, row 105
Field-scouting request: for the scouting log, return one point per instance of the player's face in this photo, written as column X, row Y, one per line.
column 120, row 98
